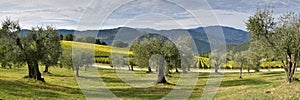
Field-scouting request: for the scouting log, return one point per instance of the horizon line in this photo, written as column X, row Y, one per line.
column 107, row 28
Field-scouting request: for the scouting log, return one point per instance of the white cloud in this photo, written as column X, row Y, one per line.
column 232, row 18
column 59, row 13
column 165, row 14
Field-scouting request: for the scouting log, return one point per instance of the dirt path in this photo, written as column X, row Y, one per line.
column 201, row 70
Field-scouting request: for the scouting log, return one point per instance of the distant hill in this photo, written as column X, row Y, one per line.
column 238, row 48
column 232, row 36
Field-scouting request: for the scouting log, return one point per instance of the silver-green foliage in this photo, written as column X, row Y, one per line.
column 40, row 45
column 279, row 37
column 143, row 49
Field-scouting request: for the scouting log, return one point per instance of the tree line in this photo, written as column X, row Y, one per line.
column 71, row 37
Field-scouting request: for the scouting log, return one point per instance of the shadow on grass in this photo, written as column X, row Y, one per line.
column 126, row 91
column 204, row 75
column 105, row 79
column 111, row 80
column 4, row 77
column 134, row 93
column 35, row 89
column 141, row 93
column 57, row 75
column 118, row 80
column 272, row 73
column 240, row 82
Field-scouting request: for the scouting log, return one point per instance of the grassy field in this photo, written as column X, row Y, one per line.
column 100, row 50
column 61, row 84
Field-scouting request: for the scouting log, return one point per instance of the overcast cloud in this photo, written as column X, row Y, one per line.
column 158, row 14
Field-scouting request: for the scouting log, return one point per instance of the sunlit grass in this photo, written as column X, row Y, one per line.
column 62, row 84
column 96, row 47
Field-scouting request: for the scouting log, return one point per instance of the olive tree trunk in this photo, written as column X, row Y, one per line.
column 149, row 70
column 177, row 71
column 37, row 73
column 241, row 71
column 131, row 67
column 77, row 71
column 30, row 69
column 290, row 66
column 46, row 68
column 161, row 74
column 33, row 71
column 216, row 68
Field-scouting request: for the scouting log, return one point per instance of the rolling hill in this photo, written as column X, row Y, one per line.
column 232, row 36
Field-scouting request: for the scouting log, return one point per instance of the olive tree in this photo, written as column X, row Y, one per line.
column 4, row 51
column 172, row 57
column 52, row 48
column 216, row 60
column 241, row 59
column 142, row 52
column 81, row 58
column 30, row 49
column 282, row 37
column 145, row 48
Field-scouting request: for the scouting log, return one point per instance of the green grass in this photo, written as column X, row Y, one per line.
column 125, row 91
column 267, row 85
column 61, row 84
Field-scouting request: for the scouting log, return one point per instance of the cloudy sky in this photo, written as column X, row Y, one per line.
column 158, row 14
